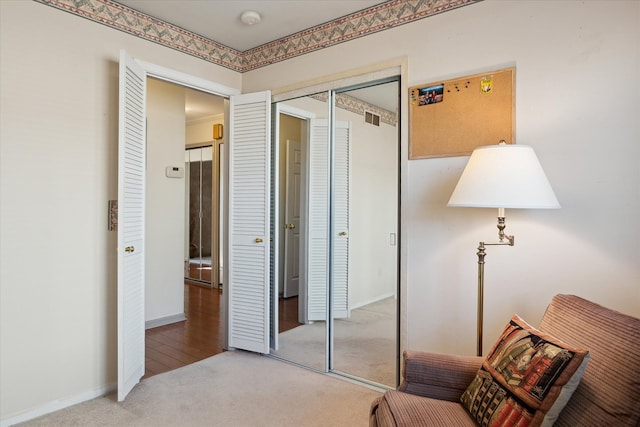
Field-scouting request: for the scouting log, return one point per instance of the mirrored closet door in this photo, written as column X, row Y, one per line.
column 301, row 227
column 336, row 209
column 365, row 251
column 199, row 248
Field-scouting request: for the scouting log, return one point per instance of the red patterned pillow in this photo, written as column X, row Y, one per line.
column 526, row 379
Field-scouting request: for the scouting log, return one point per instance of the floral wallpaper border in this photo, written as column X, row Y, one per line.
column 358, row 106
column 371, row 20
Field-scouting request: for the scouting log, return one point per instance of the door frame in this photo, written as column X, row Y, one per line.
column 187, row 80
column 226, row 92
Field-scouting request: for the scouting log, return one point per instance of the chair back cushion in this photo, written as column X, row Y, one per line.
column 526, row 379
column 609, row 392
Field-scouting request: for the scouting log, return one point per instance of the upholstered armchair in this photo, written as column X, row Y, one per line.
column 607, row 394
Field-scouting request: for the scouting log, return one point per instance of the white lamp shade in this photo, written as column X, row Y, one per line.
column 504, row 176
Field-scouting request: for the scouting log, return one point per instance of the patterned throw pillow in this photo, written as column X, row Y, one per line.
column 526, row 379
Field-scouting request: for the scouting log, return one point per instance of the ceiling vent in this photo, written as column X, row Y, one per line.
column 371, row 118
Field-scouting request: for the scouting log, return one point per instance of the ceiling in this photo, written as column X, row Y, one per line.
column 219, row 20
column 199, row 105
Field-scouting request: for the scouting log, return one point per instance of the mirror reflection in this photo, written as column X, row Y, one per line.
column 199, row 215
column 302, row 226
column 337, row 226
column 366, row 229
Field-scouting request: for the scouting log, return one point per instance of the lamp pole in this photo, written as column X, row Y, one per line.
column 510, row 240
column 481, row 253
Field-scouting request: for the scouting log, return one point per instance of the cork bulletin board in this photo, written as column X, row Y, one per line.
column 453, row 117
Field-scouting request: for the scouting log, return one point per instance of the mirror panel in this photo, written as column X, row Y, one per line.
column 198, row 245
column 365, row 215
column 349, row 235
column 302, row 133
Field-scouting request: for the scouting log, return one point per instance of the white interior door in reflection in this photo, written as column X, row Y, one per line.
column 293, row 206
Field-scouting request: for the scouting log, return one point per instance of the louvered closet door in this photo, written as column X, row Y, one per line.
column 318, row 250
column 131, row 223
column 341, row 191
column 249, row 209
column 318, row 220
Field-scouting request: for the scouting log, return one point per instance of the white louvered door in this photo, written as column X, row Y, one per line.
column 341, row 191
column 318, row 220
column 248, row 221
column 131, row 223
column 318, row 212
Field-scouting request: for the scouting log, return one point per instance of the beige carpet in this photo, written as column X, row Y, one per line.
column 235, row 388
column 365, row 343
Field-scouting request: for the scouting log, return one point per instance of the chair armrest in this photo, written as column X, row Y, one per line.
column 438, row 376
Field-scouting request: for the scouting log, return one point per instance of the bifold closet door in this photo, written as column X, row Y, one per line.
column 131, row 223
column 249, row 222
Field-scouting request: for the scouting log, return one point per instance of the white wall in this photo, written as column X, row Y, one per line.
column 373, row 210
column 577, row 104
column 58, row 169
column 164, row 248
column 58, row 114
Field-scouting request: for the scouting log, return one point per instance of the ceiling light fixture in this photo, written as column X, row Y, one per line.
column 250, row 17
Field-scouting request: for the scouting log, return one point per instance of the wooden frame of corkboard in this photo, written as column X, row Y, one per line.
column 453, row 117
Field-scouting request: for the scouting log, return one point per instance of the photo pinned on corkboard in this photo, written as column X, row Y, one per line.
column 453, row 117
column 429, row 95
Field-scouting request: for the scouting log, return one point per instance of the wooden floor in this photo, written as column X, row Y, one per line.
column 287, row 314
column 200, row 336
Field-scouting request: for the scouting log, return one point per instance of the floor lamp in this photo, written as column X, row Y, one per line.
column 501, row 176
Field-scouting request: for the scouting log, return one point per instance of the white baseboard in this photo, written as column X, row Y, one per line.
column 57, row 405
column 161, row 321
